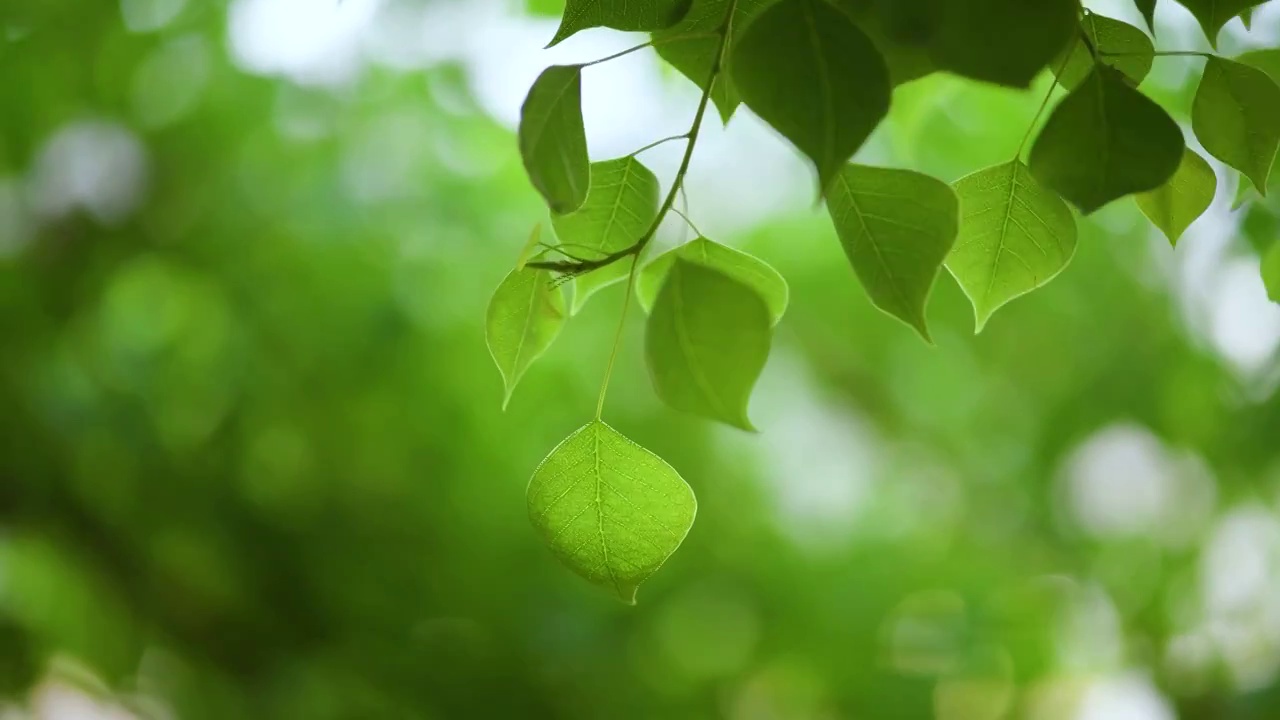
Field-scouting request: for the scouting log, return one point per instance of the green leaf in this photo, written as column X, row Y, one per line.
column 706, row 343
column 620, row 208
column 524, row 317
column 1133, row 52
column 610, row 510
column 1172, row 207
column 530, row 247
column 746, row 269
column 619, row 15
column 1213, row 14
column 1236, row 116
column 1271, row 272
column 553, row 141
column 1015, row 235
column 1104, row 141
column 1246, row 17
column 1268, row 61
column 907, row 60
column 897, row 227
column 808, row 71
column 1148, row 10
column 1007, row 42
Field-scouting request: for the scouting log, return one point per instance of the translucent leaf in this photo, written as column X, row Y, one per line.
column 553, row 141
column 621, row 205
column 1133, row 51
column 746, row 269
column 1268, row 61
column 808, row 71
column 1172, row 207
column 1104, row 141
column 706, row 343
column 897, row 227
column 1236, row 116
column 1213, row 14
column 1271, row 272
column 530, row 247
column 1148, row 10
column 610, row 510
column 524, row 317
column 620, row 15
column 1015, row 235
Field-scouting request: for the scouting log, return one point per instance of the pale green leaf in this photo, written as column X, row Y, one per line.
column 620, row 208
column 524, row 317
column 620, row 15
column 897, row 227
column 553, row 141
column 1271, row 272
column 1015, row 236
column 1104, row 141
column 1236, row 116
column 1131, row 51
column 706, row 343
column 1214, row 14
column 1268, row 61
column 1148, row 10
column 610, row 510
column 1172, row 207
column 530, row 247
column 807, row 70
column 746, row 269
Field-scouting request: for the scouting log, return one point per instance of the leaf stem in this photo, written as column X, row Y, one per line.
column 685, row 216
column 1043, row 105
column 1159, row 53
column 617, row 338
column 651, row 43
column 663, row 141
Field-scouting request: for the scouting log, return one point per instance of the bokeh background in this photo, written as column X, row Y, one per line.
column 253, row 462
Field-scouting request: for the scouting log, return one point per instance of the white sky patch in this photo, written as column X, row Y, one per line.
column 1131, row 696
column 97, row 166
column 310, row 43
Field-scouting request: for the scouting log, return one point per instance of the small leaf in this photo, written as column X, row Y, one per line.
column 1236, row 116
column 1172, row 207
column 1213, row 14
column 706, row 343
column 807, row 70
column 1015, row 236
column 620, row 207
column 1148, row 10
column 553, row 141
column 746, row 269
column 610, row 510
column 530, row 247
column 619, row 15
column 1104, row 141
column 1132, row 52
column 524, row 317
column 1271, row 272
column 897, row 227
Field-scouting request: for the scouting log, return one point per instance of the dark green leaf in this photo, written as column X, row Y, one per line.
column 1015, row 235
column 1213, row 14
column 897, row 227
column 706, row 343
column 1131, row 51
column 610, row 510
column 620, row 207
column 1236, row 116
column 746, row 269
column 1104, row 141
column 807, row 70
column 906, row 59
column 524, row 317
column 1172, row 207
column 1246, row 17
column 620, row 15
column 553, row 141
column 1148, row 10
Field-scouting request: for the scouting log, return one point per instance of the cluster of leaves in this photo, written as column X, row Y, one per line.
column 822, row 74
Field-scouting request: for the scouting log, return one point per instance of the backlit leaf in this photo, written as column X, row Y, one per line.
column 1268, row 61
column 1104, row 141
column 1015, row 235
column 619, row 15
column 1172, row 207
column 530, row 247
column 1236, row 116
column 706, row 343
column 1132, row 52
column 897, row 227
column 610, row 510
column 620, row 207
column 746, row 269
column 1213, row 14
column 808, row 71
column 553, row 141
column 1271, row 272
column 524, row 317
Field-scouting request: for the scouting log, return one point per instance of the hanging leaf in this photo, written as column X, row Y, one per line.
column 620, row 15
column 905, row 57
column 1007, row 42
column 706, row 343
column 1271, row 272
column 1236, row 116
column 553, row 141
column 808, row 71
column 1131, row 52
column 1104, row 141
column 524, row 317
column 1213, row 14
column 1172, row 207
column 1015, row 236
column 1148, row 10
column 746, row 269
column 897, row 227
column 610, row 510
column 620, row 208
column 1246, row 17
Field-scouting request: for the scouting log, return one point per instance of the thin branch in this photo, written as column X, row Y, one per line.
column 663, row 141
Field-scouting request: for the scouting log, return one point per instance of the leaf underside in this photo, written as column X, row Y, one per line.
column 1172, row 207
column 626, row 15
column 746, row 269
column 553, row 140
column 1236, row 117
column 524, row 317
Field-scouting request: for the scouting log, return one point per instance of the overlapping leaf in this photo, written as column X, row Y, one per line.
column 1172, row 207
column 553, row 141
column 1118, row 44
column 746, row 269
column 1236, row 116
column 1213, row 14
column 524, row 317
column 619, row 15
column 1148, row 10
